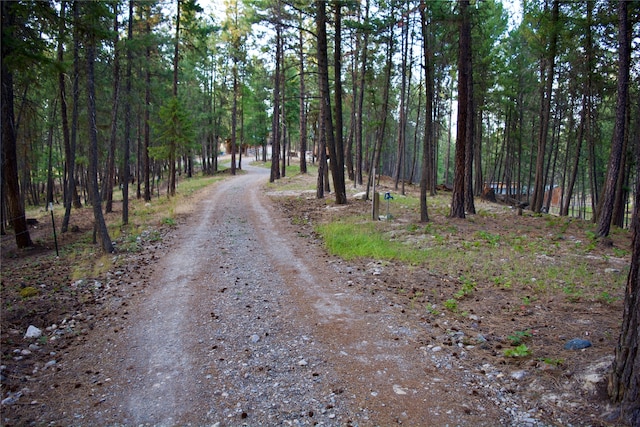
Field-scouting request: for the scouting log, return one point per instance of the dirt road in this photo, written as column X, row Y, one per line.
column 243, row 322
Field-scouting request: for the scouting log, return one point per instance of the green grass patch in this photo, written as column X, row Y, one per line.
column 363, row 240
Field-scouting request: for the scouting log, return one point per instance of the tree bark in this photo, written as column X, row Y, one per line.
column 67, row 193
column 624, row 380
column 337, row 171
column 464, row 69
column 303, row 107
column 100, row 225
column 337, row 162
column 379, row 137
column 547, row 73
column 11, row 184
column 428, row 115
column 624, row 47
column 275, row 123
column 147, row 113
column 171, row 190
column 361, row 85
column 127, row 122
column 110, row 172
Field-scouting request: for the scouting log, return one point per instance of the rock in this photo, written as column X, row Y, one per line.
column 360, row 196
column 436, row 348
column 577, row 344
column 33, row 332
column 611, row 270
column 302, row 362
column 49, row 364
column 518, row 375
column 255, row 338
column 398, row 390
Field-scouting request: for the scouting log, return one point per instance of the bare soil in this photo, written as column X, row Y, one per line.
column 238, row 316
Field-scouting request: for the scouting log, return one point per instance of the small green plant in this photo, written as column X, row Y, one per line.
column 169, row 221
column 520, row 351
column 502, row 282
column 431, row 308
column 490, row 238
column 620, row 253
column 468, row 286
column 451, row 305
column 155, row 236
column 526, row 300
column 606, row 297
column 519, row 336
column 572, row 291
column 551, row 361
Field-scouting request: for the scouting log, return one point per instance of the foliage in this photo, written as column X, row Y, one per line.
column 520, row 351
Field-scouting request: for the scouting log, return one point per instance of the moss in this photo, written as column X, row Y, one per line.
column 28, row 292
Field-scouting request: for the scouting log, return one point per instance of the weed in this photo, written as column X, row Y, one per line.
column 620, row 253
column 552, row 362
column 451, row 305
column 572, row 292
column 468, row 286
column 520, row 351
column 519, row 336
column 606, row 297
column 502, row 282
column 431, row 308
column 169, row 221
column 492, row 239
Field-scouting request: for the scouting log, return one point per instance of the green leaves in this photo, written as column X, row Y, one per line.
column 176, row 130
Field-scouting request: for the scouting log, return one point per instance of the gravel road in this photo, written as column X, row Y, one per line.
column 242, row 322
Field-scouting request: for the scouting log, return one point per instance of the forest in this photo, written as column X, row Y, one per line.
column 537, row 108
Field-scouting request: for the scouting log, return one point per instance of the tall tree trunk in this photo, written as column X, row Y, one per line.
column 68, row 176
column 50, row 183
column 99, row 225
column 303, row 107
column 234, row 116
column 337, row 161
column 275, row 123
column 75, row 111
column 127, row 122
column 337, row 171
column 401, row 110
column 171, row 191
column 464, row 69
column 624, row 380
column 147, row 113
column 428, row 115
column 110, row 172
column 547, row 73
column 380, row 132
column 624, row 48
column 11, row 184
column 361, row 85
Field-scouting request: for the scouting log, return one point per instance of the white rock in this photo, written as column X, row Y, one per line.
column 33, row 332
column 302, row 362
column 360, row 196
column 398, row 390
column 518, row 375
